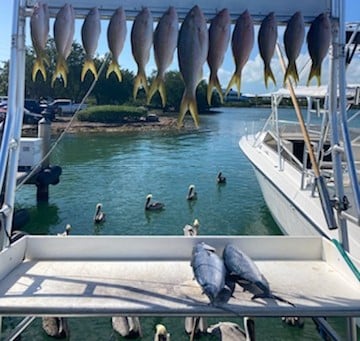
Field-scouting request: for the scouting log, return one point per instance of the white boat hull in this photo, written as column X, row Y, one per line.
column 296, row 211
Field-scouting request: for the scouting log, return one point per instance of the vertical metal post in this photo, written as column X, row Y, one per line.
column 15, row 112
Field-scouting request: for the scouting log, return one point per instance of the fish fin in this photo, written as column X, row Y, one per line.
column 291, row 70
column 214, row 83
column 140, row 80
column 114, row 67
column 235, row 80
column 88, row 65
column 38, row 66
column 315, row 72
column 60, row 70
column 268, row 74
column 157, row 84
column 188, row 103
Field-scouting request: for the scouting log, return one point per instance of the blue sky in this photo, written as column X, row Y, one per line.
column 253, row 71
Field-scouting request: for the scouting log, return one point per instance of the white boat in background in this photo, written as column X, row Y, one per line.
column 319, row 193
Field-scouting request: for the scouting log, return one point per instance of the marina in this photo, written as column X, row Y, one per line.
column 83, row 276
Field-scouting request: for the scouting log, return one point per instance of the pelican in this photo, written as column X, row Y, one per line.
column 161, row 333
column 99, row 216
column 128, row 327
column 192, row 195
column 220, row 178
column 56, row 327
column 195, row 326
column 232, row 331
column 192, row 230
column 66, row 232
column 153, row 206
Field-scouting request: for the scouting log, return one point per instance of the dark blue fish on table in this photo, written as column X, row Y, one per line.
column 210, row 273
column 242, row 269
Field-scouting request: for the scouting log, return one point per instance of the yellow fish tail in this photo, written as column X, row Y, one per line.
column 157, row 84
column 140, row 80
column 235, row 80
column 214, row 83
column 60, row 71
column 188, row 103
column 268, row 74
column 38, row 66
column 89, row 65
column 291, row 70
column 114, row 67
column 315, row 72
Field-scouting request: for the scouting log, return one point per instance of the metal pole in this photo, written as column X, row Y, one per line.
column 17, row 101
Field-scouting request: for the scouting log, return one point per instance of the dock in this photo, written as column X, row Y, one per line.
column 152, row 276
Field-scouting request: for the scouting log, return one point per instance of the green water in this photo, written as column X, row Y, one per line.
column 119, row 170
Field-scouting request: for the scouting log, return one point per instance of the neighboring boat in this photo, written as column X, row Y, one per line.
column 319, row 193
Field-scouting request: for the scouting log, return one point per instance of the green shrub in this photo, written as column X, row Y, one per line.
column 111, row 113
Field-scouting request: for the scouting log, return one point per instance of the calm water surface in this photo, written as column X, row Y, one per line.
column 119, row 170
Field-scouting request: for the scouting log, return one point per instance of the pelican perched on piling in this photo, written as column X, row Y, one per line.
column 232, row 331
column 153, row 206
column 192, row 195
column 161, row 333
column 192, row 230
column 220, row 178
column 99, row 216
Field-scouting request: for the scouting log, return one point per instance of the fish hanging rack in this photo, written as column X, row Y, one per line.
column 258, row 9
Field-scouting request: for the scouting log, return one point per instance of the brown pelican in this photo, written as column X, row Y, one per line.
column 66, row 232
column 161, row 333
column 99, row 216
column 195, row 326
column 192, row 195
column 192, row 230
column 220, row 178
column 56, row 327
column 232, row 331
column 153, row 206
column 128, row 327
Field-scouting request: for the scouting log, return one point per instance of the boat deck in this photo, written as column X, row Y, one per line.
column 143, row 276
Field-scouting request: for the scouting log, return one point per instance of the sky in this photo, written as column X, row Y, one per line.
column 252, row 76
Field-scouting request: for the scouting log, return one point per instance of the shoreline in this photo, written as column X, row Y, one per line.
column 166, row 122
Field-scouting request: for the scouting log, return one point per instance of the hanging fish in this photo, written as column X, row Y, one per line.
column 242, row 42
column 293, row 39
column 318, row 41
column 141, row 41
column 116, row 35
column 64, row 28
column 219, row 36
column 90, row 33
column 39, row 29
column 193, row 45
column 267, row 41
column 165, row 41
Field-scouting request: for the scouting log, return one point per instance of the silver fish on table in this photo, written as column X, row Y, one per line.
column 209, row 270
column 267, row 41
column 193, row 45
column 64, row 28
column 90, row 33
column 219, row 36
column 116, row 34
column 293, row 39
column 242, row 269
column 39, row 30
column 318, row 41
column 141, row 41
column 165, row 41
column 242, row 42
